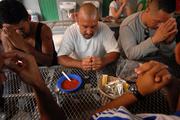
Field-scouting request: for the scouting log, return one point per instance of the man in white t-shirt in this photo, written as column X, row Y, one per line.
column 91, row 42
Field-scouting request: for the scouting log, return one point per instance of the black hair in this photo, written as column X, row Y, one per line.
column 168, row 6
column 12, row 12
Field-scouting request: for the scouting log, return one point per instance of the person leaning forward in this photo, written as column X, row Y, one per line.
column 20, row 33
column 88, row 44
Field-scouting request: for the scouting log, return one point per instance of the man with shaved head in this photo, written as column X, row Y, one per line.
column 88, row 44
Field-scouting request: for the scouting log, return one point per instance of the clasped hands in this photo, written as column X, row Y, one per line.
column 92, row 63
column 152, row 76
column 165, row 32
column 12, row 40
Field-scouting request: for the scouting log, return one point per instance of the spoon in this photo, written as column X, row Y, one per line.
column 65, row 75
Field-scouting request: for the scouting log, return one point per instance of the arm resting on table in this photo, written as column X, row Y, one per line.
column 124, row 100
column 48, row 108
column 69, row 62
column 110, row 57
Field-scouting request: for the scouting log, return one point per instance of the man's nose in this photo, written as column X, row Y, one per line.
column 89, row 31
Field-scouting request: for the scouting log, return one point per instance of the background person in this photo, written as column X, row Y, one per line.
column 141, row 5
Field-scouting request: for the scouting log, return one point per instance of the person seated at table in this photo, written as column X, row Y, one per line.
column 92, row 43
column 19, row 32
column 29, row 73
column 122, row 8
column 141, row 5
column 147, row 33
column 153, row 77
column 108, row 111
column 150, row 35
column 117, row 8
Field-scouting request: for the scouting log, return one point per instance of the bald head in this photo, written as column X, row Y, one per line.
column 88, row 20
column 88, row 11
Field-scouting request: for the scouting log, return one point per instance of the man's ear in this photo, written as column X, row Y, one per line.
column 75, row 16
column 147, row 10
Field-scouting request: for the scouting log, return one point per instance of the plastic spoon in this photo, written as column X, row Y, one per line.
column 65, row 75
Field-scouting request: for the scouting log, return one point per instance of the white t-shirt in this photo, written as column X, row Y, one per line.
column 114, row 5
column 101, row 43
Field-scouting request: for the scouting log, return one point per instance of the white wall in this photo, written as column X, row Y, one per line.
column 32, row 5
column 79, row 2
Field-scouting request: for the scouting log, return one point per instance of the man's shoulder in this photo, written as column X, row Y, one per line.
column 72, row 28
column 101, row 24
column 103, row 28
column 74, row 25
column 131, row 20
column 72, row 32
column 112, row 4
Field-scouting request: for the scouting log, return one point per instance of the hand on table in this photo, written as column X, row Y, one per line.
column 26, row 67
column 97, row 63
column 92, row 63
column 143, row 68
column 86, row 63
column 153, row 76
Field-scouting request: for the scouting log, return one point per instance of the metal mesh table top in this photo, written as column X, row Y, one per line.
column 20, row 102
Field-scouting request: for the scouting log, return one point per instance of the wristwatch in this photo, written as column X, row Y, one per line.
column 134, row 90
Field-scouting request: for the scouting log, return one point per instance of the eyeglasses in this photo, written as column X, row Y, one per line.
column 146, row 33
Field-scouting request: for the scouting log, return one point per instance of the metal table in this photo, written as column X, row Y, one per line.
column 20, row 101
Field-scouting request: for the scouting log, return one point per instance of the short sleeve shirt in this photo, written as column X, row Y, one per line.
column 75, row 44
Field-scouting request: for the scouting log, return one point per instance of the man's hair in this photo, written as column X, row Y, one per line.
column 168, row 6
column 12, row 12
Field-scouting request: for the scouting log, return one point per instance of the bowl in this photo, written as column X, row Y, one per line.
column 69, row 86
column 110, row 80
